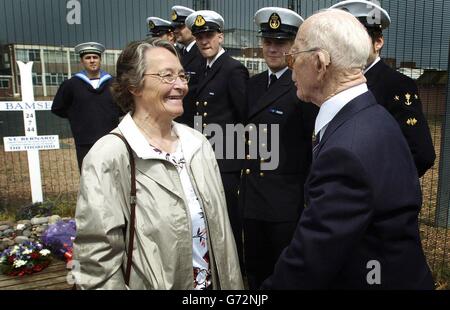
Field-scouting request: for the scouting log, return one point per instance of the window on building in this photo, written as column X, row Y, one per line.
column 58, row 57
column 108, row 59
column 34, row 55
column 252, row 65
column 4, row 83
column 54, row 79
column 74, row 58
column 37, row 79
column 27, row 55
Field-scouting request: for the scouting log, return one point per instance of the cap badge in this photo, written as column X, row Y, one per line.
column 151, row 25
column 174, row 15
column 199, row 21
column 274, row 21
column 408, row 99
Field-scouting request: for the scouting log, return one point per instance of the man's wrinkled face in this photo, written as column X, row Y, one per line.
column 303, row 73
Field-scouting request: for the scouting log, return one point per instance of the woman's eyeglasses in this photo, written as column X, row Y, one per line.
column 170, row 78
column 290, row 59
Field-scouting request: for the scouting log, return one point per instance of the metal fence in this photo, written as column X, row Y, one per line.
column 45, row 31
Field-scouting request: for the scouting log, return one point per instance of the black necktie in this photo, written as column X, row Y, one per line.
column 273, row 79
column 315, row 144
column 208, row 68
column 184, row 51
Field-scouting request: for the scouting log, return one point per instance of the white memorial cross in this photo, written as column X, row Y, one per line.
column 31, row 142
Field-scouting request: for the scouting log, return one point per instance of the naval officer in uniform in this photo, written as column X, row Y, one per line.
column 393, row 90
column 219, row 99
column 160, row 28
column 272, row 200
column 190, row 59
column 85, row 100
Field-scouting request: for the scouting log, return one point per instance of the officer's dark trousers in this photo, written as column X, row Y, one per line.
column 263, row 244
column 82, row 150
column 231, row 182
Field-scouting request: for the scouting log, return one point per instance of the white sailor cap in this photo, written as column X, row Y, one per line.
column 278, row 23
column 205, row 20
column 158, row 26
column 369, row 13
column 89, row 48
column 179, row 14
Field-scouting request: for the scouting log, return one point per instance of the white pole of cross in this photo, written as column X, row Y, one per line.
column 29, row 120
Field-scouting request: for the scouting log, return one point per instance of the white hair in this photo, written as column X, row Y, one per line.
column 342, row 36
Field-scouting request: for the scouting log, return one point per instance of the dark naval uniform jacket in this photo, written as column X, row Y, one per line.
column 92, row 113
column 399, row 95
column 220, row 99
column 276, row 195
column 359, row 229
column 191, row 63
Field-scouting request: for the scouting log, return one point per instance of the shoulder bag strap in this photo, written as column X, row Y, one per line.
column 132, row 208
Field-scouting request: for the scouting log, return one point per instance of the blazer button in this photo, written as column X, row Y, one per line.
column 249, row 142
column 248, row 157
column 204, row 125
column 265, row 130
column 250, row 128
column 247, row 171
column 205, row 114
column 197, row 103
column 205, row 103
column 261, row 174
column 197, row 114
column 263, row 145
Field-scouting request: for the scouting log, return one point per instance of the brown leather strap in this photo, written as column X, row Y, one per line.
column 132, row 209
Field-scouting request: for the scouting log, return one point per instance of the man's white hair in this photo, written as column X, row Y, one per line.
column 342, row 36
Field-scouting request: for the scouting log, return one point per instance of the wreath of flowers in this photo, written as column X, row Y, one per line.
column 27, row 258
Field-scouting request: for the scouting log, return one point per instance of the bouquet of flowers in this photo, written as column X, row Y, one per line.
column 27, row 258
column 59, row 238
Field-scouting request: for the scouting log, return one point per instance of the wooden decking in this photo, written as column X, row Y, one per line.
column 51, row 278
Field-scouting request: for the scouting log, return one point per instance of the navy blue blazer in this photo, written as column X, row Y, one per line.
column 363, row 199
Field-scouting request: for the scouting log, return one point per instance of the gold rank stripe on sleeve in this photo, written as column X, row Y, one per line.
column 411, row 121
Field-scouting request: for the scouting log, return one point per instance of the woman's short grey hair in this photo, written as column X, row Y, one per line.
column 342, row 36
column 131, row 67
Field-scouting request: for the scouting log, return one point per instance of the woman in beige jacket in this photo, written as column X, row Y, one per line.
column 183, row 238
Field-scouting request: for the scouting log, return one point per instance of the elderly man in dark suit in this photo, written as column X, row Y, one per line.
column 393, row 90
column 272, row 200
column 359, row 229
column 220, row 101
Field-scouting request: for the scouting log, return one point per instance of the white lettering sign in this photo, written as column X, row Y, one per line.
column 27, row 143
column 20, row 105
